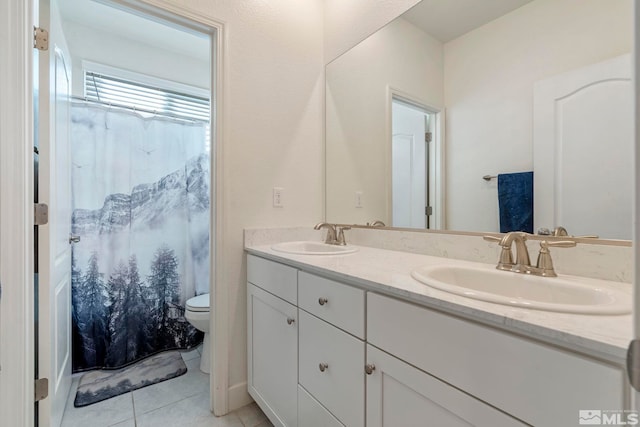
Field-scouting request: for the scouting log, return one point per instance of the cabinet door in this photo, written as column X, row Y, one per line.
column 400, row 395
column 272, row 329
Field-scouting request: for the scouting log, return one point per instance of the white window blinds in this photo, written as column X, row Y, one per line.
column 127, row 94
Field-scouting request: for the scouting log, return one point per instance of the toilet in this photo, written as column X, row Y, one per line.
column 197, row 313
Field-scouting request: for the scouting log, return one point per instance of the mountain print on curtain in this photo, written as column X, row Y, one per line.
column 144, row 252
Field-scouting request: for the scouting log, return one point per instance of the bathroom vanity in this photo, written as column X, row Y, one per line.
column 354, row 340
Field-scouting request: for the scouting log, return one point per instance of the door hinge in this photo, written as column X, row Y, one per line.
column 40, row 214
column 633, row 364
column 40, row 38
column 428, row 136
column 41, row 389
column 428, row 210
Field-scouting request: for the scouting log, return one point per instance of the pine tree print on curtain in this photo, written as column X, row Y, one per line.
column 141, row 207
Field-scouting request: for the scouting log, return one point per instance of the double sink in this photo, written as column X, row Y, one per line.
column 564, row 294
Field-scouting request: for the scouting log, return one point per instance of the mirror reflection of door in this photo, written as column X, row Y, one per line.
column 412, row 131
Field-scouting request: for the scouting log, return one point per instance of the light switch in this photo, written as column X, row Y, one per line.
column 277, row 197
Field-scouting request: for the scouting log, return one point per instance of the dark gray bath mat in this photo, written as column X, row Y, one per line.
column 96, row 386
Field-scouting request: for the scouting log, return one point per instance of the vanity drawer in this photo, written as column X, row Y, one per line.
column 273, row 277
column 507, row 371
column 312, row 414
column 339, row 304
column 340, row 386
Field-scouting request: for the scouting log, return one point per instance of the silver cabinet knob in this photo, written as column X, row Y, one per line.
column 322, row 301
column 369, row 368
column 323, row 367
column 73, row 238
column 290, row 320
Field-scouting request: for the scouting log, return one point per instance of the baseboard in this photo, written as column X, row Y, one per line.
column 238, row 396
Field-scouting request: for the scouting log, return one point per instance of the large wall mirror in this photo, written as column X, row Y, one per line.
column 486, row 116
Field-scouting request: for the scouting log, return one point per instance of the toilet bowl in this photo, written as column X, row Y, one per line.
column 197, row 313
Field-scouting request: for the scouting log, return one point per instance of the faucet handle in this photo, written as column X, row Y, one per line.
column 506, row 257
column 331, row 232
column 544, row 266
column 340, row 240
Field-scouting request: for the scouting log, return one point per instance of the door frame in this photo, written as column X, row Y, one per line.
column 16, row 214
column 438, row 154
column 165, row 9
column 16, row 205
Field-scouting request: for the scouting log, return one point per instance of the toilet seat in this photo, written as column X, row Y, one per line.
column 199, row 303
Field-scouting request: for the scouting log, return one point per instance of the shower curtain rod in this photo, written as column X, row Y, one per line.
column 134, row 109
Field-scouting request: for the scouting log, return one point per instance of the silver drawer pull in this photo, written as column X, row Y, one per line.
column 323, row 367
column 322, row 301
column 369, row 368
column 290, row 320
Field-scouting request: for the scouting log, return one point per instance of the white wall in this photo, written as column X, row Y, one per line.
column 347, row 22
column 110, row 49
column 399, row 56
column 489, row 76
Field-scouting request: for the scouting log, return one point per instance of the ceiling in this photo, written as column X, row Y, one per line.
column 448, row 19
column 109, row 19
column 443, row 19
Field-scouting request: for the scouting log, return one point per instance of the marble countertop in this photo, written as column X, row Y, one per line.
column 388, row 272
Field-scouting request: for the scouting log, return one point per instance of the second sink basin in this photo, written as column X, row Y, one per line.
column 561, row 294
column 312, row 248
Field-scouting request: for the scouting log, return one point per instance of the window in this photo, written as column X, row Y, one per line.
column 124, row 93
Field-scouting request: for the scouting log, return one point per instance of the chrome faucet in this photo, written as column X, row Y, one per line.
column 560, row 231
column 335, row 234
column 544, row 265
column 330, row 239
column 376, row 223
column 506, row 258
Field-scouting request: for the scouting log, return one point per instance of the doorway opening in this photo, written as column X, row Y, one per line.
column 415, row 135
column 126, row 144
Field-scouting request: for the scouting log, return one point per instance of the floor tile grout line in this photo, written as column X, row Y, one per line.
column 169, row 404
column 135, row 417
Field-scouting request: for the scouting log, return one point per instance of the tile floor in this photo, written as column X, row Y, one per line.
column 180, row 402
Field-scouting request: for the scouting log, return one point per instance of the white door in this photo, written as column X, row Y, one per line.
column 583, row 150
column 54, row 249
column 409, row 166
column 400, row 395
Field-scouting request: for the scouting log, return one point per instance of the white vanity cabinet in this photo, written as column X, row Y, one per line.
column 272, row 330
column 327, row 354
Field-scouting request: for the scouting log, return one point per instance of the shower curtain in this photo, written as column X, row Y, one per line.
column 140, row 189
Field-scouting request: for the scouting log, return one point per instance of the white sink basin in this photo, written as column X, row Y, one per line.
column 313, row 248
column 562, row 294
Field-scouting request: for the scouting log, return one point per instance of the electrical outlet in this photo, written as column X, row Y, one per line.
column 277, row 197
column 358, row 199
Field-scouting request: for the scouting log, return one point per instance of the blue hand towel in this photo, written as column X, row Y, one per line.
column 515, row 200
